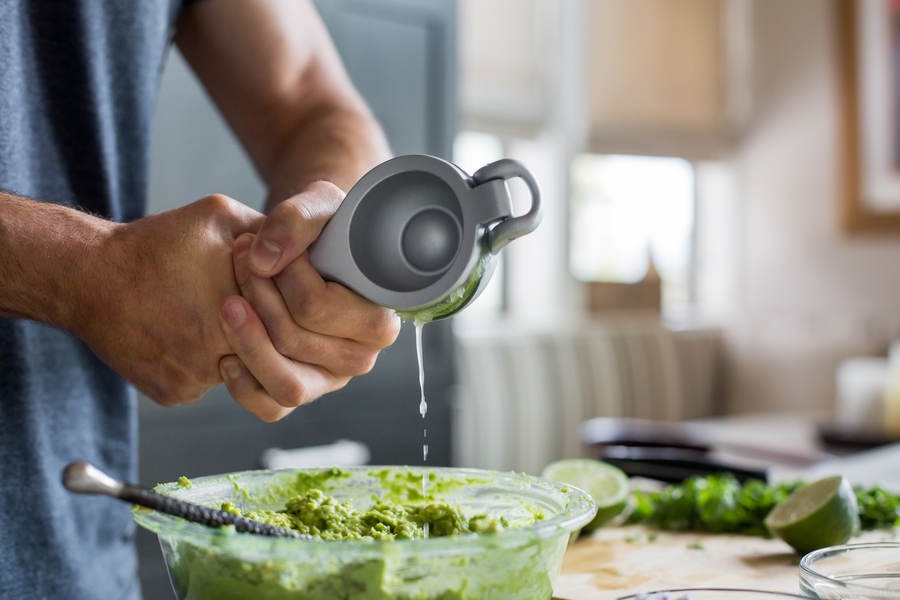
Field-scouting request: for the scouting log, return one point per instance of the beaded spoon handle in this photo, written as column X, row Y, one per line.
column 84, row 478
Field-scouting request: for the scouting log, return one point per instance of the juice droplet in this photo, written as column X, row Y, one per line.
column 423, row 406
column 423, row 409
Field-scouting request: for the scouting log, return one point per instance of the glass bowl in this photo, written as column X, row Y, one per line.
column 852, row 571
column 208, row 563
column 711, row 594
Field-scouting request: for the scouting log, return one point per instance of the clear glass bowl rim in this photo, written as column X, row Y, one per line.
column 739, row 590
column 806, row 568
column 580, row 510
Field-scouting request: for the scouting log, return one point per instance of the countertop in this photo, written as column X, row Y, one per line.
column 618, row 561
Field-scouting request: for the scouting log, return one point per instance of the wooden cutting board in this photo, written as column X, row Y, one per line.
column 618, row 561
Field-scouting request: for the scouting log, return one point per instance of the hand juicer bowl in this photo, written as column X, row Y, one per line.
column 206, row 563
column 418, row 234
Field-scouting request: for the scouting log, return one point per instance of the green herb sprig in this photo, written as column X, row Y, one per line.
column 721, row 504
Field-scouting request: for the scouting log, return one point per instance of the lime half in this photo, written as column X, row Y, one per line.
column 608, row 485
column 820, row 514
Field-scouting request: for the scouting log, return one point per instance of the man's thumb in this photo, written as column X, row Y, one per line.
column 292, row 226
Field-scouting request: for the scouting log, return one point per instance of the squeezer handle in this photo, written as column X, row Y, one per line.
column 512, row 227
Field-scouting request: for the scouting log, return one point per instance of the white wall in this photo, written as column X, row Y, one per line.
column 808, row 293
column 794, row 293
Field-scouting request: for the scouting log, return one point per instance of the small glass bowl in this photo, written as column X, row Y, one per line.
column 852, row 572
column 711, row 594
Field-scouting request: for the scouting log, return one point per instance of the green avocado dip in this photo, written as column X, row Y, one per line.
column 369, row 526
column 322, row 516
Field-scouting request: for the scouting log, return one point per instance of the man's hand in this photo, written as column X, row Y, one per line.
column 273, row 71
column 295, row 335
column 150, row 304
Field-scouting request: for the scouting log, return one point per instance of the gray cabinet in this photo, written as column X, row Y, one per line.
column 401, row 55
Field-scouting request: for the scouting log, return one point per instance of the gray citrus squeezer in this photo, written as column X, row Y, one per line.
column 419, row 235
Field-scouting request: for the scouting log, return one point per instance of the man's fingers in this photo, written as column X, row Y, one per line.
column 331, row 309
column 339, row 356
column 292, row 226
column 240, row 256
column 289, row 383
column 247, row 392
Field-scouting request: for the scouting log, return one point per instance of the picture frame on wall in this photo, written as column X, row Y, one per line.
column 869, row 61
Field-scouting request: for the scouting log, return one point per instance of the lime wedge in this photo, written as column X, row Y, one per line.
column 820, row 514
column 608, row 485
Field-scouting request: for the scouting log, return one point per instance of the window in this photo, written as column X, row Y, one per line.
column 627, row 209
column 471, row 151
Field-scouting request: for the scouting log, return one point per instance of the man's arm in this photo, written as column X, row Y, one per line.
column 143, row 296
column 46, row 250
column 271, row 68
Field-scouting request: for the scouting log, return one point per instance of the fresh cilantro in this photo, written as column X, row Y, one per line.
column 721, row 504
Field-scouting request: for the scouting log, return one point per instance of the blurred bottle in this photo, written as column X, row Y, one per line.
column 892, row 390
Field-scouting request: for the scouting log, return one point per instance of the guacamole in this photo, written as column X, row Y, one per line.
column 319, row 515
column 369, row 525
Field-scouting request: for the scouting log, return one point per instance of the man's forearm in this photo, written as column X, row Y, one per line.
column 336, row 144
column 45, row 254
column 275, row 74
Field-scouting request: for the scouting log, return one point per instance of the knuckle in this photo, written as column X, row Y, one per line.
column 317, row 202
column 279, row 343
column 362, row 363
column 318, row 308
column 293, row 209
column 218, row 202
column 326, row 188
column 295, row 394
column 340, row 384
column 242, row 271
column 270, row 415
column 164, row 399
column 205, row 377
column 154, row 391
column 189, row 390
column 283, row 344
column 184, row 385
column 191, row 398
column 310, row 306
column 385, row 327
column 388, row 328
column 248, row 339
column 177, row 397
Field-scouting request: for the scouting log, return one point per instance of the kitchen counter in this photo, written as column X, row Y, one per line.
column 618, row 561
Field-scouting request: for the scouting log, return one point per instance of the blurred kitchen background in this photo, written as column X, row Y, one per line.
column 715, row 248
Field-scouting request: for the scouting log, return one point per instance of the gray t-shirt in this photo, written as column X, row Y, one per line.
column 78, row 81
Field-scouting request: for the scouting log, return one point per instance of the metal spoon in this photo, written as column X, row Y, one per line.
column 84, row 478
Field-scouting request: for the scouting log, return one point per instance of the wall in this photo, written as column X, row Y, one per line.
column 808, row 293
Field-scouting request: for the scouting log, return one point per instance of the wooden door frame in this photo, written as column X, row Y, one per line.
column 856, row 215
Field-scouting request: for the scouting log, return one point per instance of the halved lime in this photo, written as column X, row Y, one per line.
column 608, row 485
column 820, row 514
